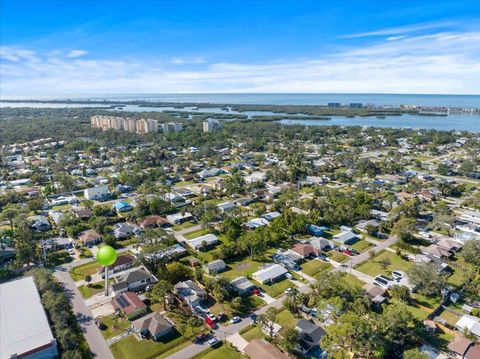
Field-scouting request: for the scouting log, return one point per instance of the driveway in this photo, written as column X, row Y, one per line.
column 95, row 340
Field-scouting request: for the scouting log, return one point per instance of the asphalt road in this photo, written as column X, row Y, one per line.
column 95, row 340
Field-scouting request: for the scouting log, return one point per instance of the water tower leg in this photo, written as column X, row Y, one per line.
column 106, row 281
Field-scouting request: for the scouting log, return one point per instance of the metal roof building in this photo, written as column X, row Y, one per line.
column 24, row 328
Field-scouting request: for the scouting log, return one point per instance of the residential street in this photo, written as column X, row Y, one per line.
column 95, row 340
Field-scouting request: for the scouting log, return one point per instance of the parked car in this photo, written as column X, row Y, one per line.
column 214, row 341
column 289, row 276
column 211, row 316
column 201, row 338
column 348, row 252
column 221, row 316
column 256, row 291
column 100, row 325
column 288, row 290
column 235, row 320
column 210, row 323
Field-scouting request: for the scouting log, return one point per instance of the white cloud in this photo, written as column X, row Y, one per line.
column 184, row 61
column 402, row 29
column 445, row 63
column 76, row 53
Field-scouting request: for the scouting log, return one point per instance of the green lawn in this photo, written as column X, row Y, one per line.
column 286, row 319
column 131, row 348
column 354, row 280
column 115, row 325
column 373, row 267
column 94, row 288
column 185, row 225
column 240, row 267
column 250, row 303
column 277, row 289
column 252, row 332
column 196, row 234
column 338, row 257
column 223, row 352
column 449, row 317
column 79, row 273
column 314, row 266
column 458, row 277
column 362, row 245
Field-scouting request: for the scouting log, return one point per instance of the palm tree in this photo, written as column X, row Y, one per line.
column 293, row 300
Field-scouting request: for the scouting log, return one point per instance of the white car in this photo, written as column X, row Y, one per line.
column 214, row 341
column 288, row 290
column 289, row 276
column 235, row 320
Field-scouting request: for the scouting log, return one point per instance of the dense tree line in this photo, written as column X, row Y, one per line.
column 71, row 343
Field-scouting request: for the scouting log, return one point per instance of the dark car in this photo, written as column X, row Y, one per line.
column 201, row 338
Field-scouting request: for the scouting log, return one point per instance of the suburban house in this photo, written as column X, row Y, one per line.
column 363, row 225
column 346, row 236
column 321, row 243
column 242, row 285
column 215, row 267
column 310, row 335
column 124, row 231
column 40, row 223
column 459, row 347
column 316, row 231
column 190, row 292
column 179, row 218
column 436, row 251
column 270, row 274
column 97, row 193
column 134, row 280
column 306, row 250
column 122, row 206
column 449, row 244
column 90, row 237
column 470, row 323
column 82, row 213
column 226, row 206
column 261, row 349
column 255, row 223
column 201, row 242
column 174, row 251
column 154, row 221
column 123, row 262
column 375, row 294
column 153, row 325
column 270, row 216
column 244, row 201
column 129, row 304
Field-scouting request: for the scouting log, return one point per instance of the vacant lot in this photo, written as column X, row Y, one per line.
column 223, row 352
column 374, row 267
column 79, row 273
column 314, row 266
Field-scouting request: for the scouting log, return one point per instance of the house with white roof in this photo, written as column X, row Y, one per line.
column 203, row 241
column 470, row 323
column 270, row 274
column 24, row 328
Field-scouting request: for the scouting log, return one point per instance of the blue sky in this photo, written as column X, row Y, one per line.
column 84, row 47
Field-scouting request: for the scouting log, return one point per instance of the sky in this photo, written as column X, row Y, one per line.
column 109, row 47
